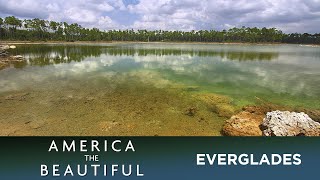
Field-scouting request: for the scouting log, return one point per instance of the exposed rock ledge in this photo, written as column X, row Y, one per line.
column 252, row 121
column 285, row 123
column 5, row 59
column 245, row 123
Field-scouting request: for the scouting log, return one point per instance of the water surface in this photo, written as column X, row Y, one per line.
column 149, row 89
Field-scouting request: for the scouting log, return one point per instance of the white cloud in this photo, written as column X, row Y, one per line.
column 105, row 7
column 289, row 15
column 80, row 15
column 53, row 7
column 167, row 14
column 106, row 22
column 89, row 13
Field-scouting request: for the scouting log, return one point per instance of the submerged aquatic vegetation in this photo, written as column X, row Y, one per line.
column 119, row 109
column 220, row 104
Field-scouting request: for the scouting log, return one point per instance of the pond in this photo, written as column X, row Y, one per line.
column 150, row 88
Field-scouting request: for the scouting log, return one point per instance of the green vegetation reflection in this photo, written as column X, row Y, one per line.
column 53, row 54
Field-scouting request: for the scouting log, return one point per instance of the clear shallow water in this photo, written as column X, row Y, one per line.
column 281, row 74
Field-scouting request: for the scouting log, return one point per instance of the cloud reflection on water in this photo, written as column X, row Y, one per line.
column 280, row 69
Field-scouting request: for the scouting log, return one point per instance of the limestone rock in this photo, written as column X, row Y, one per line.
column 17, row 58
column 4, row 47
column 243, row 124
column 285, row 123
column 3, row 51
column 312, row 113
column 5, row 59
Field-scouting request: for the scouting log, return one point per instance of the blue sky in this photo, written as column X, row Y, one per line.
column 287, row 15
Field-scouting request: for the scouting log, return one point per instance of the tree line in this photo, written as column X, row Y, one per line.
column 12, row 28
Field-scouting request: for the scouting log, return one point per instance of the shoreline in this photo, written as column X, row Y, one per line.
column 153, row 42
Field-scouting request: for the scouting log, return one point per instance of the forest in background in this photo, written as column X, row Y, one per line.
column 12, row 28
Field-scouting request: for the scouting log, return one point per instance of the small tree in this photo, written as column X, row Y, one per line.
column 1, row 22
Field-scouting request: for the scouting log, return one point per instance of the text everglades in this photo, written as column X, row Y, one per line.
column 248, row 159
column 92, row 166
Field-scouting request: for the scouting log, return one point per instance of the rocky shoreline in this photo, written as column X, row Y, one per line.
column 269, row 121
column 6, row 59
column 265, row 119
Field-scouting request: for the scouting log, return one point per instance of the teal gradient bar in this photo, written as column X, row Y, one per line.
column 160, row 157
